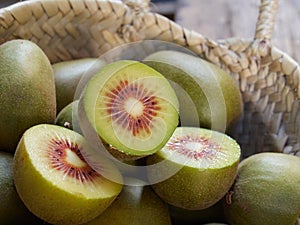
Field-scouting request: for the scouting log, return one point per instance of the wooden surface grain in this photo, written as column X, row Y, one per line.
column 220, row 19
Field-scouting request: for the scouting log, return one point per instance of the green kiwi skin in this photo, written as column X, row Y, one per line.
column 184, row 71
column 67, row 76
column 189, row 182
column 27, row 90
column 189, row 193
column 12, row 209
column 68, row 115
column 266, row 191
column 135, row 205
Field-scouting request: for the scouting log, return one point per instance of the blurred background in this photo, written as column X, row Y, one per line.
column 221, row 19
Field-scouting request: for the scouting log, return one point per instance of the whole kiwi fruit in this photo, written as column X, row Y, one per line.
column 137, row 204
column 27, row 90
column 266, row 191
column 68, row 116
column 67, row 76
column 12, row 209
column 211, row 214
column 208, row 96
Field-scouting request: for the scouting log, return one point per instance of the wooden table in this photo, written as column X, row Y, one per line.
column 219, row 19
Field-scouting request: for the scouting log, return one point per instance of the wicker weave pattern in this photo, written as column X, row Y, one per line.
column 268, row 78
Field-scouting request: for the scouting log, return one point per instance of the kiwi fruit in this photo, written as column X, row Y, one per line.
column 214, row 213
column 68, row 116
column 208, row 96
column 266, row 191
column 195, row 168
column 137, row 204
column 12, row 209
column 131, row 106
column 54, row 180
column 67, row 76
column 27, row 90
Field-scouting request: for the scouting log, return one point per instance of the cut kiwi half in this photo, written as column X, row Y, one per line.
column 204, row 164
column 54, row 180
column 132, row 107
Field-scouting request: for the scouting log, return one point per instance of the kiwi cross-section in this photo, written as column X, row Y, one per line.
column 54, row 180
column 204, row 164
column 131, row 106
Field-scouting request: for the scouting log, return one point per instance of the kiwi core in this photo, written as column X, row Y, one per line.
column 134, row 106
column 73, row 159
column 66, row 157
column 194, row 147
column 131, row 107
column 201, row 148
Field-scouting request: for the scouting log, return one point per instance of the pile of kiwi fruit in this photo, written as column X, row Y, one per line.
column 140, row 142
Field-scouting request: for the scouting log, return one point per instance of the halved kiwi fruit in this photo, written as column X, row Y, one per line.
column 204, row 165
column 131, row 106
column 54, row 180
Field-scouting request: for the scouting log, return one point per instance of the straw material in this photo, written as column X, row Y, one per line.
column 268, row 78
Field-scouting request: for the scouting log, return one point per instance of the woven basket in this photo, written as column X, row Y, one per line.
column 268, row 78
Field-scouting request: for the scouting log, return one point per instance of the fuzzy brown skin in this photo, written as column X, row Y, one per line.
column 266, row 191
column 27, row 90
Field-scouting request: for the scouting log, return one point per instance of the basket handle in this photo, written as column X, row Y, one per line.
column 138, row 5
column 266, row 20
